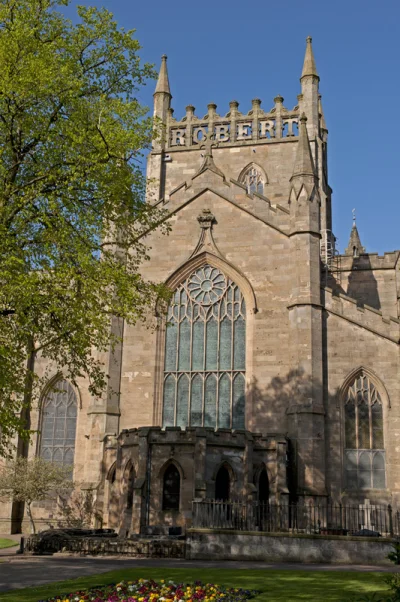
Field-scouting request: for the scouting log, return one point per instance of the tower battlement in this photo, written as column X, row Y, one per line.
column 234, row 128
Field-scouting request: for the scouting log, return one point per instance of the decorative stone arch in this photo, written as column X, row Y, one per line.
column 51, row 382
column 192, row 264
column 168, row 463
column 261, row 171
column 228, row 466
column 171, row 490
column 378, row 383
column 173, row 282
column 112, row 473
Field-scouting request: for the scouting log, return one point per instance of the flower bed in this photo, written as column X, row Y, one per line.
column 143, row 590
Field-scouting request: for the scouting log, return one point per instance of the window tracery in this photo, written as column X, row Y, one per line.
column 364, row 444
column 204, row 368
column 58, row 423
column 253, row 179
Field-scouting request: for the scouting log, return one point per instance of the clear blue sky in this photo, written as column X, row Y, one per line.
column 226, row 50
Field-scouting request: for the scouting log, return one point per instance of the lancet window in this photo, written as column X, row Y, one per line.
column 204, row 369
column 171, row 488
column 58, row 423
column 253, row 179
column 364, row 452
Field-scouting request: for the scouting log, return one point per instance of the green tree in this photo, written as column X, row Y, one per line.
column 35, row 480
column 72, row 211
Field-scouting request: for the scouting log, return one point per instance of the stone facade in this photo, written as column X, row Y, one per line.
column 249, row 205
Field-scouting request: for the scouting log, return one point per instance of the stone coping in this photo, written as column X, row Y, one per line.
column 291, row 535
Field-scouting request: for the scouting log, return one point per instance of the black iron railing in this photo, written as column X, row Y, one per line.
column 322, row 519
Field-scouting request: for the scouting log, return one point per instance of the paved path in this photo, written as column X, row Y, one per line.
column 17, row 572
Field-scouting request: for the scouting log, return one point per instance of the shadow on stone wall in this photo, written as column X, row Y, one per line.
column 273, row 406
column 362, row 284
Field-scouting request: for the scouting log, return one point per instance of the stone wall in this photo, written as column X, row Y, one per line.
column 269, row 547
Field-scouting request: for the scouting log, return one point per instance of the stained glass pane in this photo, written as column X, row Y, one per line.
column 200, row 341
column 351, row 463
column 169, row 401
column 210, row 401
column 239, row 402
column 364, row 471
column 377, row 426
column 224, row 402
column 184, row 345
column 378, row 471
column 198, row 346
column 183, row 399
column 225, row 345
column 363, row 426
column 350, row 425
column 196, row 401
column 212, row 344
column 58, row 423
column 239, row 352
column 170, row 346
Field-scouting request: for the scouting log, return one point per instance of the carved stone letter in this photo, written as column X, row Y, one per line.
column 196, row 133
column 267, row 127
column 244, row 131
column 221, row 133
column 178, row 137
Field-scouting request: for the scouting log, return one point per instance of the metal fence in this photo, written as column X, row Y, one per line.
column 324, row 519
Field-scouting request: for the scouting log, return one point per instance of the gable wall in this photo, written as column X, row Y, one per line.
column 261, row 254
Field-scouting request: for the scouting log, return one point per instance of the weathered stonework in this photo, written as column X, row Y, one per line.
column 315, row 320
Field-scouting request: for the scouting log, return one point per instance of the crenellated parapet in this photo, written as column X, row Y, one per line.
column 234, row 128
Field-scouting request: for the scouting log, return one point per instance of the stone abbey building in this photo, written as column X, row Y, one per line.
column 274, row 374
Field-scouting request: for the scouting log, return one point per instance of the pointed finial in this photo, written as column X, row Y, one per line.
column 354, row 248
column 163, row 81
column 303, row 165
column 309, row 67
column 321, row 113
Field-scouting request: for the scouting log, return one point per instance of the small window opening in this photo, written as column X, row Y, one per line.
column 222, row 484
column 171, row 488
column 263, row 487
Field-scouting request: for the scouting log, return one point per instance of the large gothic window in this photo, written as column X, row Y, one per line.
column 204, row 369
column 253, row 179
column 364, row 453
column 58, row 423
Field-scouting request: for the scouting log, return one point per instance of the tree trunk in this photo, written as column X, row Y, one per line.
column 17, row 510
column 29, row 512
column 23, row 443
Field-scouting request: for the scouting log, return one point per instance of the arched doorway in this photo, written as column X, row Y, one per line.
column 222, row 484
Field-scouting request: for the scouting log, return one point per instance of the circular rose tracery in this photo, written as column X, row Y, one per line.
column 206, row 285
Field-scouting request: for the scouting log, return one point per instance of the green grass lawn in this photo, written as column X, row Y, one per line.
column 7, row 543
column 273, row 585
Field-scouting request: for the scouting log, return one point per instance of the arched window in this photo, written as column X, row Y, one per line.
column 222, row 484
column 58, row 423
column 253, row 179
column 364, row 446
column 204, row 368
column 171, row 488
